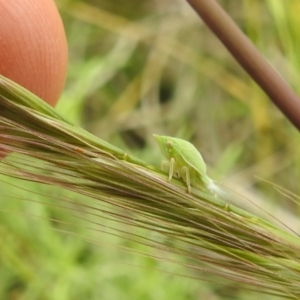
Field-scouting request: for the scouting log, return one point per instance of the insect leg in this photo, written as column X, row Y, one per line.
column 185, row 174
column 168, row 167
column 171, row 170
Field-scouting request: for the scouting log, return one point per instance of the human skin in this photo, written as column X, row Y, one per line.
column 33, row 47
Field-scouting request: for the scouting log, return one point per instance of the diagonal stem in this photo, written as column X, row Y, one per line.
column 249, row 58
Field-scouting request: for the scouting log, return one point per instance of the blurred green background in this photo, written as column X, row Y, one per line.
column 138, row 68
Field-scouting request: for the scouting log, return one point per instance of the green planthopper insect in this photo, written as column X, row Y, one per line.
column 185, row 161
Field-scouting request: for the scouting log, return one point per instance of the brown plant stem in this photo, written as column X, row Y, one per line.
column 249, row 58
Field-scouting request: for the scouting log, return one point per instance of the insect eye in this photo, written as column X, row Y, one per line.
column 169, row 144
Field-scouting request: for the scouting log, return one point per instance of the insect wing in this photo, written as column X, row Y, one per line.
column 190, row 155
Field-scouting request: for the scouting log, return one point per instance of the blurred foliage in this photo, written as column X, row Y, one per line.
column 157, row 68
column 143, row 67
